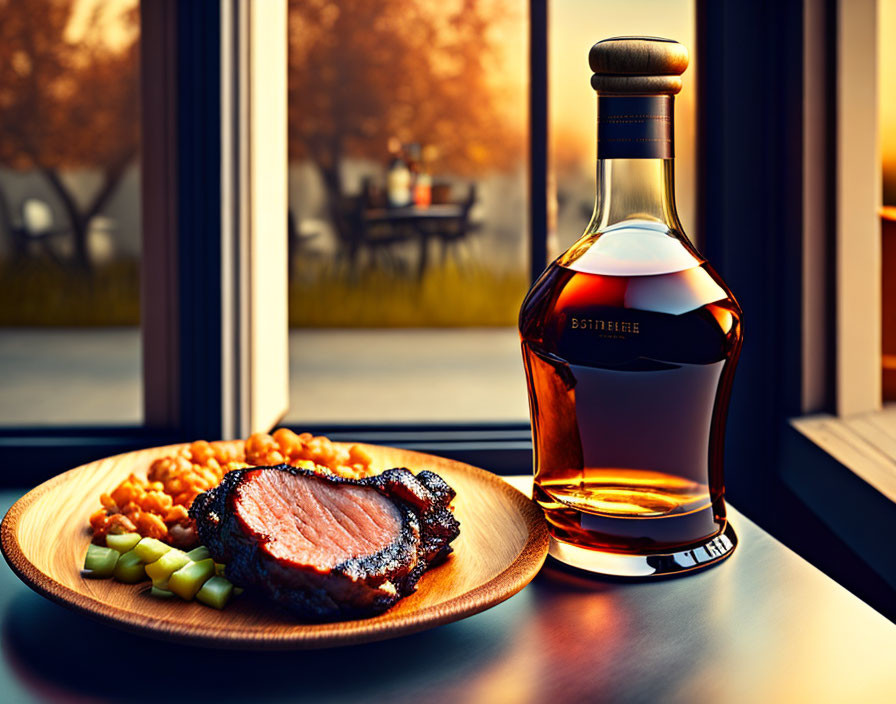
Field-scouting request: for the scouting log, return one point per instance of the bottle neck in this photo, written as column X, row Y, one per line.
column 642, row 189
column 635, row 167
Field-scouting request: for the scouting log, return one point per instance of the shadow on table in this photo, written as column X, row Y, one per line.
column 63, row 656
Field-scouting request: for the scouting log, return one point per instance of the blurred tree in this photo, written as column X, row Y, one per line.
column 67, row 102
column 361, row 72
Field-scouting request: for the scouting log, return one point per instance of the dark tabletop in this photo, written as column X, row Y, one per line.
column 764, row 626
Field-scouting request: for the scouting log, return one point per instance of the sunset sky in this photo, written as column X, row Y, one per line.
column 887, row 77
column 577, row 24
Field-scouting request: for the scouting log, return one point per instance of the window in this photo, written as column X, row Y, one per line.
column 408, row 211
column 70, row 228
column 206, row 296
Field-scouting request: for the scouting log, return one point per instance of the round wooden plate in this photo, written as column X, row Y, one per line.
column 502, row 545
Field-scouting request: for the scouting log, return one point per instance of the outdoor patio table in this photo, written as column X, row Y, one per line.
column 764, row 626
column 424, row 223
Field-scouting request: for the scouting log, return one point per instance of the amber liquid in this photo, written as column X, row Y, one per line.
column 629, row 376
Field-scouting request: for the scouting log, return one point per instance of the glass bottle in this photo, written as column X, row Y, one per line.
column 630, row 340
column 398, row 178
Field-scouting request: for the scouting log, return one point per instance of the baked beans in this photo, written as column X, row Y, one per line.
column 157, row 506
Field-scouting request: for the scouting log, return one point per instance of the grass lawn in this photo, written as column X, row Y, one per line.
column 40, row 293
column 37, row 292
column 447, row 297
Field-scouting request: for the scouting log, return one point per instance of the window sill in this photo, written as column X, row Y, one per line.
column 865, row 444
column 844, row 470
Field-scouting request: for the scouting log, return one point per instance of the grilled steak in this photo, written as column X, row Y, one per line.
column 323, row 546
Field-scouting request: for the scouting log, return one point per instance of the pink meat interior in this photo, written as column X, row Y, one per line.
column 309, row 521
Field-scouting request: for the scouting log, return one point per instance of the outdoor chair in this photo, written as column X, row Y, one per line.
column 454, row 235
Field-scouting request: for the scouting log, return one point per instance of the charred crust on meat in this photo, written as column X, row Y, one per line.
column 361, row 586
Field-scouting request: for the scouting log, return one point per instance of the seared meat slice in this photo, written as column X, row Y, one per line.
column 323, row 546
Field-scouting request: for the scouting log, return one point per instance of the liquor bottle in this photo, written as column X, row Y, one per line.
column 630, row 340
column 398, row 178
column 423, row 188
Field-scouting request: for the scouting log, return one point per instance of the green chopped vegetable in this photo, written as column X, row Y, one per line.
column 238, row 590
column 129, row 568
column 160, row 570
column 100, row 562
column 216, row 592
column 160, row 593
column 150, row 549
column 219, row 569
column 189, row 579
column 122, row 542
column 200, row 553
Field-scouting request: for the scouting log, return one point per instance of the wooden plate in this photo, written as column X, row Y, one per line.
column 502, row 545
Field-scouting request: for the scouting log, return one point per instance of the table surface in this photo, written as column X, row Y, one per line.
column 764, row 626
column 413, row 212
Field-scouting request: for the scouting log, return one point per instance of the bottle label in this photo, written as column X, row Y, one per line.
column 635, row 127
column 601, row 327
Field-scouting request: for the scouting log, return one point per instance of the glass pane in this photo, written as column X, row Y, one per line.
column 887, row 75
column 69, row 213
column 575, row 25
column 886, row 64
column 408, row 210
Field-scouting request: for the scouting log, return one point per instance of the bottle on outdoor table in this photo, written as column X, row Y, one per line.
column 630, row 341
column 398, row 179
column 423, row 190
column 423, row 181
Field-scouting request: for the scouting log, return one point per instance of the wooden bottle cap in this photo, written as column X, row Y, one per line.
column 637, row 66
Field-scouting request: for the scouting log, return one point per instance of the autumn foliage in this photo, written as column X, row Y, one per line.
column 360, row 73
column 67, row 102
column 363, row 72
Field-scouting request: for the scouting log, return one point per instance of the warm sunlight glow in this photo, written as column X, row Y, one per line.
column 574, row 26
column 109, row 21
column 887, row 77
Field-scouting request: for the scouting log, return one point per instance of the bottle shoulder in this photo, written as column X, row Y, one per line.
column 663, row 305
column 632, row 247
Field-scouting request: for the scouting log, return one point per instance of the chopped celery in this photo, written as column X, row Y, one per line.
column 238, row 590
column 219, row 569
column 100, row 561
column 200, row 553
column 160, row 570
column 215, row 592
column 122, row 542
column 150, row 549
column 190, row 578
column 129, row 568
column 160, row 593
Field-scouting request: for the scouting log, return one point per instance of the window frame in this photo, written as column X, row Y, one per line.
column 841, row 455
column 198, row 292
column 780, row 224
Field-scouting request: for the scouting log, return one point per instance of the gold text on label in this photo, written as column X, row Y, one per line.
column 600, row 325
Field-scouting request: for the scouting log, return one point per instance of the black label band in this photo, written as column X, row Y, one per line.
column 635, row 127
